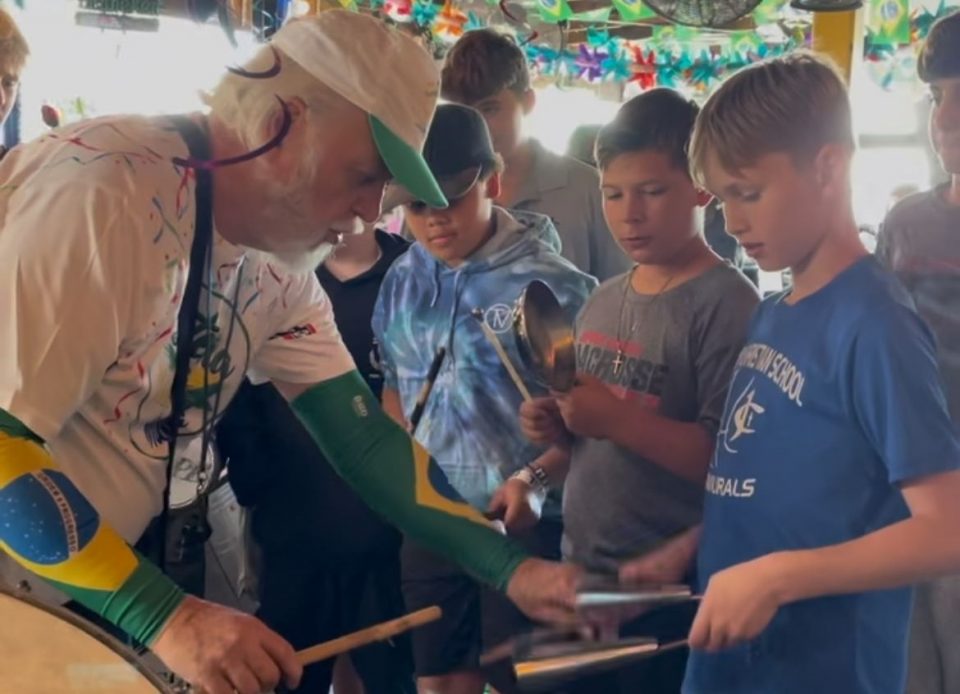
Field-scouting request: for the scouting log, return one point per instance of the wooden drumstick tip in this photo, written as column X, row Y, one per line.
column 364, row 637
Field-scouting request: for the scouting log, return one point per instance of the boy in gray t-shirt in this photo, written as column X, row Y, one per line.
column 638, row 461
column 655, row 350
column 920, row 242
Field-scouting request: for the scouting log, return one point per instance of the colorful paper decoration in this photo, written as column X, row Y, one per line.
column 554, row 11
column 400, row 11
column 450, row 22
column 599, row 16
column 474, row 22
column 424, row 12
column 769, row 12
column 597, row 37
column 889, row 21
column 677, row 56
column 589, row 63
column 889, row 65
column 633, row 10
column 745, row 41
column 673, row 38
column 644, row 68
column 616, row 66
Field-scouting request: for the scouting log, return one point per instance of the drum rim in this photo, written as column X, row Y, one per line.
column 92, row 630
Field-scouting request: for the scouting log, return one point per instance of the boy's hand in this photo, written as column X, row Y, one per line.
column 541, row 423
column 668, row 563
column 517, row 504
column 589, row 408
column 738, row 604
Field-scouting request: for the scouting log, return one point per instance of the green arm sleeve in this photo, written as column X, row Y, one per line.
column 50, row 528
column 399, row 479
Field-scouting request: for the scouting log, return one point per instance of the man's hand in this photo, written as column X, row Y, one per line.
column 738, row 604
column 668, row 563
column 546, row 590
column 589, row 408
column 541, row 423
column 518, row 504
column 219, row 650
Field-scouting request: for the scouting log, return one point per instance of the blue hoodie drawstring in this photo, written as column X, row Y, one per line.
column 454, row 305
column 458, row 288
column 436, row 284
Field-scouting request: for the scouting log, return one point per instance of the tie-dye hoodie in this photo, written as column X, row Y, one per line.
column 470, row 423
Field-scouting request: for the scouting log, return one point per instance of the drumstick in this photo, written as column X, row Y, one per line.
column 378, row 632
column 670, row 646
column 504, row 358
column 421, row 403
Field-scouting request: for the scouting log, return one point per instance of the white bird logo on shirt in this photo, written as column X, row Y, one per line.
column 741, row 417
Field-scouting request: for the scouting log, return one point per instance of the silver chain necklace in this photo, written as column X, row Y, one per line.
column 619, row 360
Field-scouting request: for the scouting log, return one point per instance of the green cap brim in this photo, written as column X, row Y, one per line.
column 406, row 165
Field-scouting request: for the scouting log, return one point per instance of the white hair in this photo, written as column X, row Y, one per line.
column 247, row 105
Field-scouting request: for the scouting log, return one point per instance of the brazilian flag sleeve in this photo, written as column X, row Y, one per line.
column 397, row 478
column 50, row 528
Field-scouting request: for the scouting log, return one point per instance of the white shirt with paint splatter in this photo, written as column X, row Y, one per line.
column 96, row 223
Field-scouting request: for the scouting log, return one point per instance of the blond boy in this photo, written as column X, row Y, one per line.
column 834, row 482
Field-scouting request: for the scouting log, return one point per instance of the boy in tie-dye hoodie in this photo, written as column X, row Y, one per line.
column 471, row 255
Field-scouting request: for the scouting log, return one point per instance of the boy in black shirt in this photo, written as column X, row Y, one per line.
column 329, row 565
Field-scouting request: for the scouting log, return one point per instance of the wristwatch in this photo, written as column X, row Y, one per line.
column 534, row 475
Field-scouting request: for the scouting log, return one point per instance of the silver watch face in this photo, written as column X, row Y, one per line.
column 523, row 474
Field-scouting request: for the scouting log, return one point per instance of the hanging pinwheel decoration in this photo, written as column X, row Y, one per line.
column 424, row 12
column 644, row 68
column 616, row 66
column 672, row 68
column 589, row 63
column 400, row 11
column 449, row 23
column 474, row 22
column 597, row 38
column 704, row 71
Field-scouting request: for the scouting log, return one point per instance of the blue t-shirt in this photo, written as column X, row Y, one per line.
column 834, row 402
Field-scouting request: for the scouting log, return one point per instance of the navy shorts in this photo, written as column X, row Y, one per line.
column 475, row 617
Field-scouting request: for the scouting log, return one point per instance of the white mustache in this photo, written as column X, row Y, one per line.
column 348, row 227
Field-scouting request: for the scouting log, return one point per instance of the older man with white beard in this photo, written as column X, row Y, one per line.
column 123, row 235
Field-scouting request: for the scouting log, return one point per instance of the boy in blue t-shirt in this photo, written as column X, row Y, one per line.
column 835, row 479
column 920, row 242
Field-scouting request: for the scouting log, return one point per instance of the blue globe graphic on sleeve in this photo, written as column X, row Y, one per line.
column 44, row 518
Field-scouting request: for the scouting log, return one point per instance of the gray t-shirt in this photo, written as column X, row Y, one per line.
column 679, row 351
column 568, row 191
column 920, row 242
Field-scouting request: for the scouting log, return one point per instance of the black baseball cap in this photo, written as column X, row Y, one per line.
column 458, row 149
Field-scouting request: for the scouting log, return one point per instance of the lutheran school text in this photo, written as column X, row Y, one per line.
column 775, row 366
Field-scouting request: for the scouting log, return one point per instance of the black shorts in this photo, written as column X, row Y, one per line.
column 309, row 602
column 475, row 617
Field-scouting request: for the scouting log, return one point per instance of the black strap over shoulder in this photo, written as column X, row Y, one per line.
column 198, row 143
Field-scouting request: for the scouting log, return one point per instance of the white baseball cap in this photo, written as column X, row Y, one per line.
column 380, row 70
